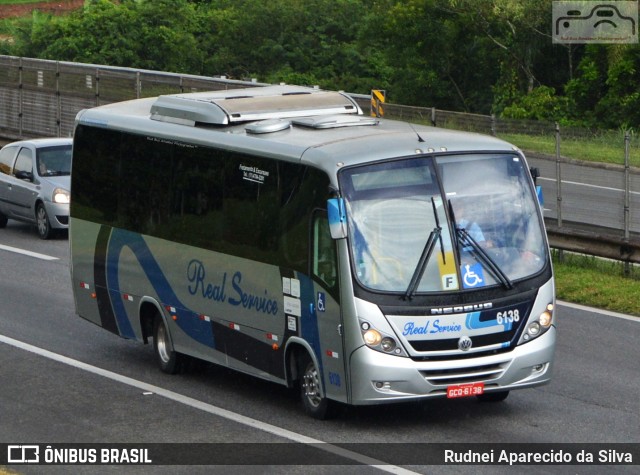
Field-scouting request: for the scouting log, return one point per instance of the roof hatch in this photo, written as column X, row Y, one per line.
column 334, row 121
column 251, row 104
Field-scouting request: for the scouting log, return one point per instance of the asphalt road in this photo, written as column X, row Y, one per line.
column 64, row 380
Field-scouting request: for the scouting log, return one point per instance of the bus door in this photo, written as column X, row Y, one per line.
column 327, row 309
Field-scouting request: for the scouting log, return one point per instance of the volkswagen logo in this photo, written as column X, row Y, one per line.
column 465, row 343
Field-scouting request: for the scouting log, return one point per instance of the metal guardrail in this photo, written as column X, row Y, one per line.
column 591, row 208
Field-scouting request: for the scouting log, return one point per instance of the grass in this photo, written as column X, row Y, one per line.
column 608, row 147
column 595, row 282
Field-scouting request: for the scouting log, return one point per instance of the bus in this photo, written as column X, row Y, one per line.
column 280, row 232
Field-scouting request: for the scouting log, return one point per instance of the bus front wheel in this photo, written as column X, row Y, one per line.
column 168, row 359
column 315, row 404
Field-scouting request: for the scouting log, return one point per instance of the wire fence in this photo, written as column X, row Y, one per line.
column 40, row 98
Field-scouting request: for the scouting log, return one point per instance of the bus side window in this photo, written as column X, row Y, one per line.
column 324, row 260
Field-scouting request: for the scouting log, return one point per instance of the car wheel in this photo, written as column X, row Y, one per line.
column 3, row 220
column 42, row 222
column 495, row 396
column 169, row 361
column 315, row 405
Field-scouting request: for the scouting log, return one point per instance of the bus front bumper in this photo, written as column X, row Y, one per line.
column 377, row 378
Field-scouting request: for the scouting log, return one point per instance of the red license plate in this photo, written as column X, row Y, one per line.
column 465, row 390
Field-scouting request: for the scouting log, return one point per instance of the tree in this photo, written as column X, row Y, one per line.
column 142, row 34
column 284, row 40
column 620, row 106
column 413, row 39
column 469, row 55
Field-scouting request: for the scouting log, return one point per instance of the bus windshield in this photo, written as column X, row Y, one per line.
column 442, row 224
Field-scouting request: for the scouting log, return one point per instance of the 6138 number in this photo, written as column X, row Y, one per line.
column 508, row 316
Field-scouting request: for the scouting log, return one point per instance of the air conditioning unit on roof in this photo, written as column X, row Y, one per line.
column 251, row 104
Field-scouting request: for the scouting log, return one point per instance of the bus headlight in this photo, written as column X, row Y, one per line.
column 388, row 344
column 541, row 325
column 534, row 329
column 546, row 317
column 379, row 341
column 372, row 337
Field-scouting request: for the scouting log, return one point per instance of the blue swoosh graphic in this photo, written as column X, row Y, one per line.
column 473, row 322
column 187, row 320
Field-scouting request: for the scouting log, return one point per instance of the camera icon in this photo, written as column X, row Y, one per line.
column 594, row 22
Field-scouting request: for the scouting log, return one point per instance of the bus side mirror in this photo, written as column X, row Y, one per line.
column 535, row 173
column 540, row 196
column 337, row 218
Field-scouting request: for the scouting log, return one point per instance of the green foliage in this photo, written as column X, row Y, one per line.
column 284, row 40
column 604, row 91
column 140, row 34
column 597, row 283
column 477, row 56
column 621, row 103
column 540, row 104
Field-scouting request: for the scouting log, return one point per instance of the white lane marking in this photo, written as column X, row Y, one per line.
column 211, row 409
column 588, row 185
column 28, row 253
column 598, row 310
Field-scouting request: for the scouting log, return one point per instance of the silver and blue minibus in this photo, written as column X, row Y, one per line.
column 280, row 232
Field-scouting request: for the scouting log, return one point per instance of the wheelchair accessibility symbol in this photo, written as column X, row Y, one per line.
column 321, row 300
column 472, row 276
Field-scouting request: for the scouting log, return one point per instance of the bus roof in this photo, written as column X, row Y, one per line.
column 325, row 129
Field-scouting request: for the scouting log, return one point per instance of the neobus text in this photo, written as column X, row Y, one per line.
column 461, row 308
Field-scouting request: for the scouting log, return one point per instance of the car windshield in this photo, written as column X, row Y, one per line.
column 54, row 161
column 443, row 224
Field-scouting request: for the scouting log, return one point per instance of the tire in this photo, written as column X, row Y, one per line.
column 495, row 396
column 3, row 221
column 42, row 222
column 314, row 404
column 169, row 361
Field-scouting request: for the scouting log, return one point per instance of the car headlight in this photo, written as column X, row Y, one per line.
column 60, row 196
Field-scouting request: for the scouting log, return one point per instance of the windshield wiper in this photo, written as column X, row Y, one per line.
column 434, row 236
column 463, row 239
column 479, row 253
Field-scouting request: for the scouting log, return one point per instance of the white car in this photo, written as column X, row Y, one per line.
column 35, row 179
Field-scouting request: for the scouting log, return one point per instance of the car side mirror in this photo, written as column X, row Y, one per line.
column 23, row 175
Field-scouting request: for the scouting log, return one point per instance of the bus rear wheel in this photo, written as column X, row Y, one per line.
column 169, row 361
column 314, row 403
